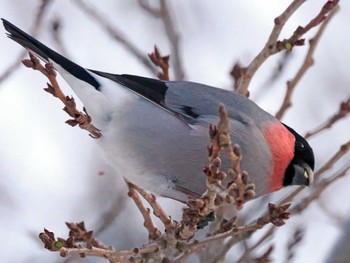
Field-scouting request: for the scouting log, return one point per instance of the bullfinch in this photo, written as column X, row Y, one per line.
column 155, row 133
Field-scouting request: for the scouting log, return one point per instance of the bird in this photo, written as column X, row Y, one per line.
column 155, row 132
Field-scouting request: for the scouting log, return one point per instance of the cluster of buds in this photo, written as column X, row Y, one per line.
column 223, row 188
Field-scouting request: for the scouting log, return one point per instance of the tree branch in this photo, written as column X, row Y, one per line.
column 269, row 48
column 308, row 61
column 319, row 189
column 172, row 33
column 116, row 34
column 34, row 31
column 153, row 232
column 79, row 118
column 273, row 46
column 343, row 111
column 344, row 149
column 162, row 62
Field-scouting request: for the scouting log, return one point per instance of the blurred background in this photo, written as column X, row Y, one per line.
column 51, row 173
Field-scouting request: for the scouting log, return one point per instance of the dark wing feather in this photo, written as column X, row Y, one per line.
column 151, row 89
column 188, row 100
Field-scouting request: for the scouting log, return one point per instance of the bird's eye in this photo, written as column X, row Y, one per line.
column 300, row 146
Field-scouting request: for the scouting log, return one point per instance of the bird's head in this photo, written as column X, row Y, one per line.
column 292, row 157
column 300, row 169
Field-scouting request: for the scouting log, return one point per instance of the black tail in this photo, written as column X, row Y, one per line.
column 46, row 53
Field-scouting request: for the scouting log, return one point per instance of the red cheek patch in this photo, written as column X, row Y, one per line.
column 281, row 143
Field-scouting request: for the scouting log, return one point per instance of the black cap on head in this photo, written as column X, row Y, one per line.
column 300, row 169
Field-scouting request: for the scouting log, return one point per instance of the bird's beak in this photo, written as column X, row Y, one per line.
column 303, row 174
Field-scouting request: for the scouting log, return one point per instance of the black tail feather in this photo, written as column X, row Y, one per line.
column 46, row 53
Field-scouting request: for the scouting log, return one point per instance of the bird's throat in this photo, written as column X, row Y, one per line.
column 281, row 143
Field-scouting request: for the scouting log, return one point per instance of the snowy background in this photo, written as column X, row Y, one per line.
column 50, row 172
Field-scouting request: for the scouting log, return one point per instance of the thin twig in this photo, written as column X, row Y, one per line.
column 265, row 257
column 174, row 37
column 116, row 34
column 344, row 110
column 344, row 149
column 319, row 189
column 123, row 256
column 295, row 39
column 275, row 215
column 153, row 232
column 284, row 59
column 273, row 46
column 158, row 211
column 269, row 48
column 56, row 26
column 225, row 248
column 248, row 251
column 79, row 118
column 331, row 211
column 36, row 26
column 112, row 212
column 82, row 242
column 162, row 62
column 307, row 63
column 293, row 243
column 172, row 32
column 156, row 12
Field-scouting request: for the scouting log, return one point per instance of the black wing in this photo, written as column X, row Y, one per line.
column 151, row 89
